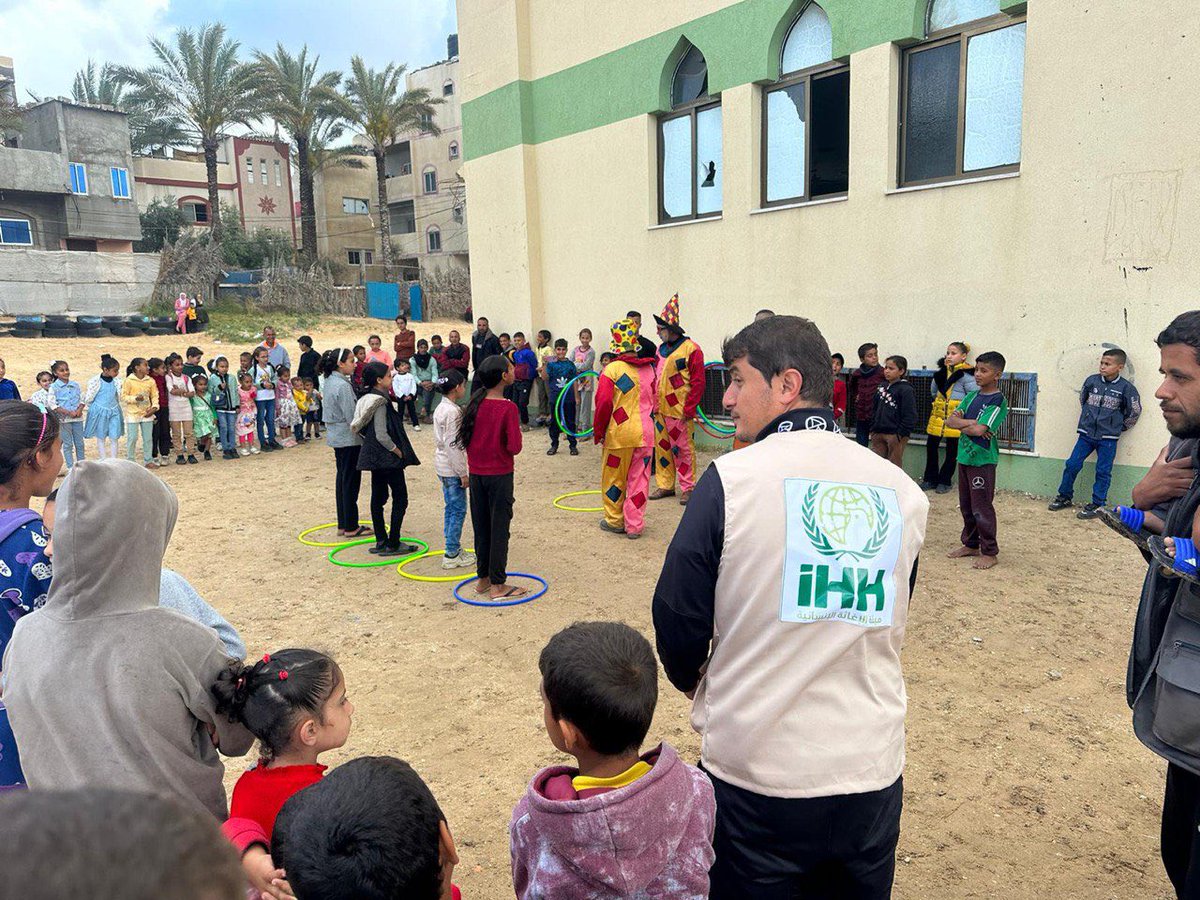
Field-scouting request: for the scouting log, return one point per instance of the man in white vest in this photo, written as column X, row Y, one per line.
column 781, row 610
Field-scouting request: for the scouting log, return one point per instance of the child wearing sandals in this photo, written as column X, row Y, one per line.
column 450, row 463
column 295, row 703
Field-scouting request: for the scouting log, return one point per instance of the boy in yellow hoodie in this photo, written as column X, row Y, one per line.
column 624, row 425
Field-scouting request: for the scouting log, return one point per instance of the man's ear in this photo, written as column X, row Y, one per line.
column 790, row 385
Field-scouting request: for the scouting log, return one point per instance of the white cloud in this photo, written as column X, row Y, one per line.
column 50, row 39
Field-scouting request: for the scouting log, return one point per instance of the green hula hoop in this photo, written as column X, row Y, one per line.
column 429, row 579
column 558, row 407
column 379, row 563
column 716, row 430
column 306, row 532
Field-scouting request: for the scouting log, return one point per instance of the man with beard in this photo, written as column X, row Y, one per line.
column 1164, row 667
column 483, row 345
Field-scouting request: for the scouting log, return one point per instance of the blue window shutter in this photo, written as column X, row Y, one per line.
column 116, row 182
column 124, row 182
column 15, row 231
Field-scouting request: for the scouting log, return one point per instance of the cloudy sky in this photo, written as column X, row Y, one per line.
column 50, row 39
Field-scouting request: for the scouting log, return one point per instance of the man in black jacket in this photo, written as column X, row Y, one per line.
column 483, row 345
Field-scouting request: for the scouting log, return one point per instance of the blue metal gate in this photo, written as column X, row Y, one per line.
column 383, row 299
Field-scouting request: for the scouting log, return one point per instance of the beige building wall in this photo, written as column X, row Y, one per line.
column 1097, row 240
column 338, row 231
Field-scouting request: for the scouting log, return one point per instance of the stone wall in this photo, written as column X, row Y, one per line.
column 60, row 281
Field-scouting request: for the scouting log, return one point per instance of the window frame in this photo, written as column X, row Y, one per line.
column 961, row 35
column 366, row 201
column 448, row 88
column 425, row 173
column 71, row 166
column 28, row 226
column 805, row 77
column 195, row 206
column 278, row 174
column 249, row 170
column 429, row 233
column 454, row 149
column 120, row 182
column 692, row 109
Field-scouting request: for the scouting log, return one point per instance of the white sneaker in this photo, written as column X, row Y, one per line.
column 244, row 452
column 254, row 449
column 464, row 560
column 416, row 428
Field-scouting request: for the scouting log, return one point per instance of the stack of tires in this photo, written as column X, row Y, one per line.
column 91, row 327
column 161, row 325
column 29, row 326
column 59, row 326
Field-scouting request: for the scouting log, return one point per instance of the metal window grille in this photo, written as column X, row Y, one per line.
column 715, row 382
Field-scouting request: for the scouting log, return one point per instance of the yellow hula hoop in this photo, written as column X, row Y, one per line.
column 300, row 537
column 558, row 504
column 430, row 579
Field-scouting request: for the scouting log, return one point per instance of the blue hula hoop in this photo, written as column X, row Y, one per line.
column 558, row 407
column 517, row 602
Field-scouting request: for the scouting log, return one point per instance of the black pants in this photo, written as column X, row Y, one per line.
column 568, row 416
column 491, row 515
column 1180, row 837
column 162, row 432
column 976, row 491
column 862, row 431
column 349, row 480
column 823, row 848
column 945, row 473
column 383, row 482
column 410, row 404
column 520, row 396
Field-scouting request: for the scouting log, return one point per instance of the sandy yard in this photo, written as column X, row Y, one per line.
column 1024, row 779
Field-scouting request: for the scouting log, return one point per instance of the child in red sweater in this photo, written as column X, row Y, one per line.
column 295, row 703
column 491, row 434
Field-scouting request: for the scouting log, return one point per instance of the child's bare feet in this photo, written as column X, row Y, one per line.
column 1169, row 545
column 482, row 586
column 960, row 552
column 984, row 562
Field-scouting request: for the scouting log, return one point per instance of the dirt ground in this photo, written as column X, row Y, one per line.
column 1023, row 780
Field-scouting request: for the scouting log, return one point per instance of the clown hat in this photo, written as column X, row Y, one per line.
column 624, row 337
column 670, row 314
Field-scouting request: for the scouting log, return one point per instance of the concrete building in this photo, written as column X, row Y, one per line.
column 347, row 198
column 67, row 183
column 851, row 162
column 254, row 175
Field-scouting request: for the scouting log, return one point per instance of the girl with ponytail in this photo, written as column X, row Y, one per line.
column 337, row 412
column 450, row 462
column 30, row 457
column 491, row 435
column 295, row 703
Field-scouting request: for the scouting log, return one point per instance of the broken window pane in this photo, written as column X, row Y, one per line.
column 809, row 42
column 931, row 124
column 995, row 81
column 676, row 137
column 948, row 13
column 691, row 78
column 785, row 143
column 708, row 160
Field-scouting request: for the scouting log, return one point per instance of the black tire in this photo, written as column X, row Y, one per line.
column 88, row 321
column 94, row 332
column 27, row 332
column 59, row 333
column 126, row 331
column 138, row 319
column 58, row 317
column 163, row 322
column 32, row 321
column 155, row 331
column 110, row 322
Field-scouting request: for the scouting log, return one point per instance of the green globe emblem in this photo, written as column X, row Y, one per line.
column 840, row 510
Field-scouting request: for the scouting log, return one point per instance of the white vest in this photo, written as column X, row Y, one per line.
column 803, row 695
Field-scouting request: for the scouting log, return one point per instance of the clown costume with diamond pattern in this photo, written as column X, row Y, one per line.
column 680, row 389
column 624, row 426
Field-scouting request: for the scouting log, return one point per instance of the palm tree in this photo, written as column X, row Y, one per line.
column 382, row 110
column 150, row 131
column 199, row 80
column 300, row 100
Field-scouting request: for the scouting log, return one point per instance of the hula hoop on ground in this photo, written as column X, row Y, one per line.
column 376, row 564
column 558, row 504
column 300, row 537
column 707, row 425
column 517, row 602
column 558, row 407
column 430, row 579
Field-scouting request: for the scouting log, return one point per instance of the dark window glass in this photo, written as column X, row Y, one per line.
column 830, row 135
column 691, row 78
column 931, row 122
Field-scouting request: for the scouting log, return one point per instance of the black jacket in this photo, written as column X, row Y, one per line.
column 374, row 454
column 895, row 409
column 483, row 346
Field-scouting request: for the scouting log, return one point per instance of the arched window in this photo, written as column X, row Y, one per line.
column 429, row 180
column 433, row 239
column 806, row 117
column 454, row 149
column 963, row 93
column 689, row 145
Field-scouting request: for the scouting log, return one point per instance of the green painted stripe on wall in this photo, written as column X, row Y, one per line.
column 741, row 44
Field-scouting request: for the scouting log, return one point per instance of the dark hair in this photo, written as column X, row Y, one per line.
column 561, row 342
column 305, row 341
column 765, row 312
column 374, row 337
column 900, row 361
column 21, row 425
column 282, row 369
column 517, row 334
column 992, row 360
column 358, row 347
column 1184, row 329
column 402, row 318
column 171, row 358
column 245, row 376
column 107, row 362
column 422, row 341
column 270, row 696
column 780, row 343
column 864, row 349
column 52, row 497
column 369, row 830
column 505, row 334
column 1116, row 353
column 545, row 333
column 39, row 375
column 198, row 377
column 963, row 347
column 216, row 361
column 588, row 330
column 56, row 365
column 331, row 359
column 449, row 380
column 246, row 353
column 107, row 844
column 607, row 355
column 154, row 362
column 632, row 313
column 838, row 357
column 489, row 374
column 194, row 351
column 602, row 678
column 372, row 374
column 436, row 337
